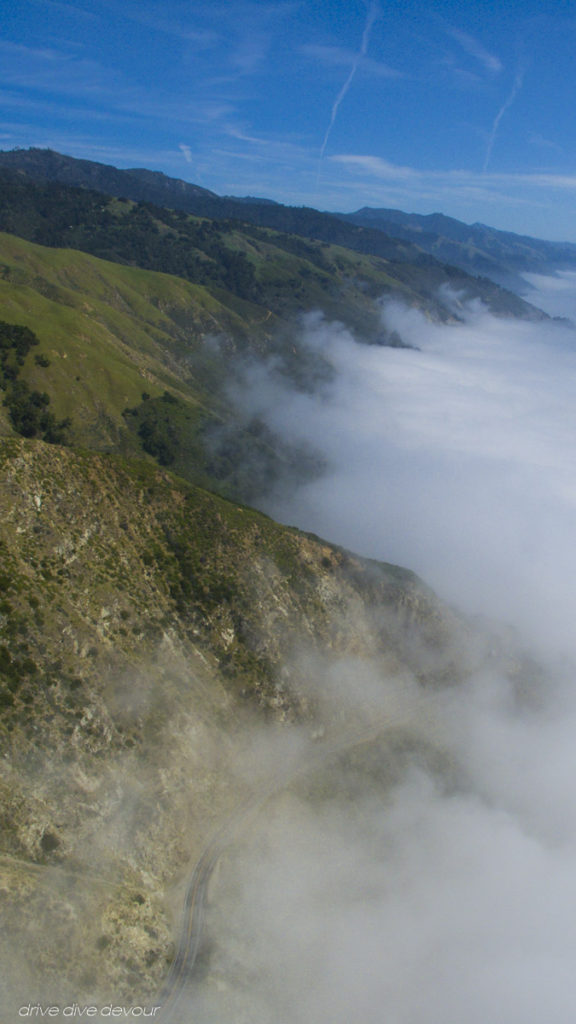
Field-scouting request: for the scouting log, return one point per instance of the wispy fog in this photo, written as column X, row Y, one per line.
column 555, row 295
column 442, row 894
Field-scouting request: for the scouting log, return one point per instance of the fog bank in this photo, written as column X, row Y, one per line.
column 455, row 459
column 446, row 894
column 556, row 295
column 438, row 895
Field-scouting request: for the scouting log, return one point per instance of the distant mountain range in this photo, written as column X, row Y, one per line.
column 320, row 261
column 153, row 187
column 479, row 250
column 500, row 255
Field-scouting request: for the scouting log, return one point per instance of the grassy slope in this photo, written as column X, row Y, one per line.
column 341, row 283
column 110, row 332
column 310, row 259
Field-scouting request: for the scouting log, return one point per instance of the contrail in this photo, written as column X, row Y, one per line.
column 373, row 12
column 519, row 79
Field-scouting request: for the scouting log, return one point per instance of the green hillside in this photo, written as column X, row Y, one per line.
column 240, row 264
column 137, row 360
column 127, row 355
column 284, row 259
column 428, row 242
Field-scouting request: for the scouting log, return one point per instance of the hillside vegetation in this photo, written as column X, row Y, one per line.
column 430, row 240
column 40, row 204
column 145, row 625
column 137, row 362
column 242, row 265
column 137, row 311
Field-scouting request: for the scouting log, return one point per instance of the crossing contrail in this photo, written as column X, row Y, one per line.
column 519, row 79
column 373, row 12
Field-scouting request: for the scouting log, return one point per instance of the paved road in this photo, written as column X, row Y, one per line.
column 173, row 992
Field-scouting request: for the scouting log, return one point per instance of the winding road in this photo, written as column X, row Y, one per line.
column 172, row 994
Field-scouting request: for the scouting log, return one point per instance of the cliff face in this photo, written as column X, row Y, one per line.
column 146, row 628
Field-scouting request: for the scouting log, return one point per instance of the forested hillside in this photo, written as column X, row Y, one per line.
column 39, row 208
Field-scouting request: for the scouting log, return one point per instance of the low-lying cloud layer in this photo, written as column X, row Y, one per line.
column 448, row 895
column 555, row 295
column 455, row 459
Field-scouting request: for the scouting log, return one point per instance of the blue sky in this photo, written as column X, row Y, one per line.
column 465, row 108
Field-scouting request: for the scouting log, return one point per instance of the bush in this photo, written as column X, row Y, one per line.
column 27, row 409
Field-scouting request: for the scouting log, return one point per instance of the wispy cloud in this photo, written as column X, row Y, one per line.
column 251, row 51
column 62, row 82
column 472, row 46
column 385, row 170
column 535, row 139
column 377, row 166
column 338, row 56
column 67, row 8
column 463, row 77
column 51, row 70
column 373, row 12
column 253, row 28
column 390, row 183
column 179, row 20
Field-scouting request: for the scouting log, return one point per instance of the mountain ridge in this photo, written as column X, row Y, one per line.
column 159, row 239
column 358, row 233
column 477, row 248
column 526, row 252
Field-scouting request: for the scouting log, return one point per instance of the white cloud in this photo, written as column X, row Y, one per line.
column 536, row 139
column 462, row 193
column 337, row 56
column 472, row 46
column 381, row 168
column 556, row 295
column 377, row 166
